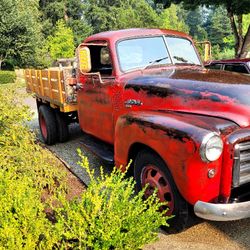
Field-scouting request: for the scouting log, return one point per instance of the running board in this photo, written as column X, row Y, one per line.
column 99, row 148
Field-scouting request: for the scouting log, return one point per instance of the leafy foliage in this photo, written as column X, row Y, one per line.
column 238, row 7
column 173, row 18
column 71, row 11
column 19, row 31
column 61, row 44
column 219, row 27
column 195, row 22
column 113, row 15
column 23, row 222
column 109, row 214
column 7, row 77
column 25, row 170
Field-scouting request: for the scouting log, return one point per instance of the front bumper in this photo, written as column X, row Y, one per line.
column 222, row 212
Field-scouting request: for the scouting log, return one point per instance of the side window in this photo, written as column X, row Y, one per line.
column 101, row 60
column 214, row 66
column 236, row 68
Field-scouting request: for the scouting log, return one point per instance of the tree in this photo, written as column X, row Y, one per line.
column 71, row 11
column 170, row 19
column 195, row 22
column 235, row 10
column 112, row 15
column 61, row 44
column 218, row 28
column 20, row 31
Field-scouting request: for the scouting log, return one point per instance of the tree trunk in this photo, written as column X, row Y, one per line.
column 66, row 17
column 241, row 38
column 234, row 29
column 245, row 52
column 1, row 64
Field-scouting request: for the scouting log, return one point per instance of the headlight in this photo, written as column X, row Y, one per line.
column 211, row 147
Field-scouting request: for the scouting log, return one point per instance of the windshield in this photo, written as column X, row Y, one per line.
column 140, row 52
column 182, row 51
column 150, row 51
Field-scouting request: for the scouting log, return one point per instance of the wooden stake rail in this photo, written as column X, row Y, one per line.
column 49, row 86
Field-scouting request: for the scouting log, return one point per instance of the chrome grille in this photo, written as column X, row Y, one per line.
column 242, row 164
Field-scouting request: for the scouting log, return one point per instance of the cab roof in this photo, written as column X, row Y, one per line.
column 130, row 33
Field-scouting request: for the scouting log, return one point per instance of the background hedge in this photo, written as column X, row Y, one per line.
column 7, row 77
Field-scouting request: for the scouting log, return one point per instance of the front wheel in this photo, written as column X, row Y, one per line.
column 150, row 169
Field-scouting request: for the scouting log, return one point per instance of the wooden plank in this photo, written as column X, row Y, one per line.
column 44, row 74
column 31, row 81
column 62, row 81
column 54, row 74
column 41, row 83
column 45, row 82
column 46, row 92
column 36, row 82
column 68, row 108
column 60, row 87
column 50, row 87
column 27, row 79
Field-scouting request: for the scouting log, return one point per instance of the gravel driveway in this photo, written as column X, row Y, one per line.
column 205, row 235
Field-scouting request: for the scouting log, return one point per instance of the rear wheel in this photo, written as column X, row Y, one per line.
column 62, row 126
column 47, row 123
column 150, row 169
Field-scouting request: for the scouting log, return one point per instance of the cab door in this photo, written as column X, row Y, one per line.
column 95, row 98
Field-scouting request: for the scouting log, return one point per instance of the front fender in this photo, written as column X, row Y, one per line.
column 177, row 141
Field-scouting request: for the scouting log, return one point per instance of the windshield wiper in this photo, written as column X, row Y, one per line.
column 155, row 61
column 183, row 60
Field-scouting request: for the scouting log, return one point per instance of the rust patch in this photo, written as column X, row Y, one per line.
column 170, row 132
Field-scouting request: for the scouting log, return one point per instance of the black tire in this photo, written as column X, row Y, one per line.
column 47, row 123
column 62, row 127
column 179, row 207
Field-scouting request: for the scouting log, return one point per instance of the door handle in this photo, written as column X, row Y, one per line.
column 132, row 102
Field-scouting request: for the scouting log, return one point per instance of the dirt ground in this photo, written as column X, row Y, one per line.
column 205, row 235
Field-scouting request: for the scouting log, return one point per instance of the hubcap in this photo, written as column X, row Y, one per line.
column 155, row 178
column 43, row 126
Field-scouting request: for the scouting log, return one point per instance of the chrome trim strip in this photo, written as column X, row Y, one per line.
column 241, row 168
column 236, row 166
column 222, row 212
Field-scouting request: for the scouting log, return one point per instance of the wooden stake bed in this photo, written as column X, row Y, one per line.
column 52, row 86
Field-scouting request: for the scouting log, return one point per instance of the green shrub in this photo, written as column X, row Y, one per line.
column 23, row 224
column 109, row 215
column 7, row 77
column 25, row 171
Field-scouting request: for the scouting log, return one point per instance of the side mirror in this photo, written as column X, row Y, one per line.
column 84, row 59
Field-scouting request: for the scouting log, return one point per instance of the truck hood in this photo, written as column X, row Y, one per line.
column 201, row 91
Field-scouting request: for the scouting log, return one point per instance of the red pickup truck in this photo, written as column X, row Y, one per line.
column 146, row 96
